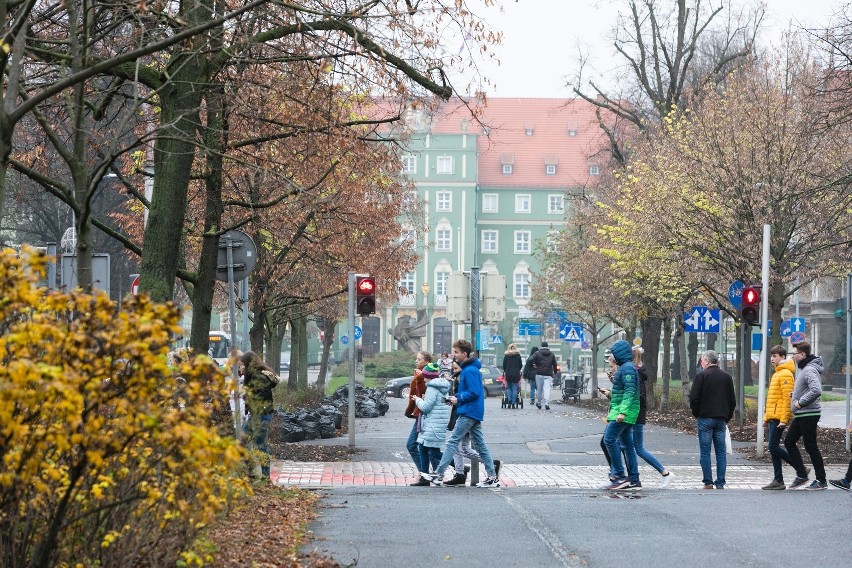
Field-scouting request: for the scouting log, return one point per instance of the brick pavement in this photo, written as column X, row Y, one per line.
column 397, row 474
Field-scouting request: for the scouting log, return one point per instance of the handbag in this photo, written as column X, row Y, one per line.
column 419, row 423
column 729, row 447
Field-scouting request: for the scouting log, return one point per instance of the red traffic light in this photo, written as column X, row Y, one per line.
column 366, row 286
column 750, row 310
column 751, row 296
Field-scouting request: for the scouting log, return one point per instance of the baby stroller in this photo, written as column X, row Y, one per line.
column 506, row 403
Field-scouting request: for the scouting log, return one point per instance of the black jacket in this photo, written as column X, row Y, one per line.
column 643, row 402
column 512, row 367
column 544, row 362
column 712, row 394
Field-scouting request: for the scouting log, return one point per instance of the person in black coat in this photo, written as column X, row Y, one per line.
column 512, row 366
column 712, row 401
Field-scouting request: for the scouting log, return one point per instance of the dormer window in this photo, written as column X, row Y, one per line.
column 507, row 161
column 550, row 161
column 594, row 170
column 572, row 132
column 529, row 128
column 550, row 170
column 507, row 169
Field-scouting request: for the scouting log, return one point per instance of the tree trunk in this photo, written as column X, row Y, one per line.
column 274, row 341
column 684, row 373
column 667, row 368
column 301, row 324
column 327, row 344
column 692, row 355
column 675, row 367
column 651, row 328
column 295, row 355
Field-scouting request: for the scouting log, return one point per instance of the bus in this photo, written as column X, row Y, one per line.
column 219, row 346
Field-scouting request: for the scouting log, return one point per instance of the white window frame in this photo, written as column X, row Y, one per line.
column 408, row 281
column 523, row 242
column 521, row 284
column 444, row 239
column 507, row 169
column 550, row 169
column 559, row 200
column 409, row 164
column 444, row 165
column 494, row 242
column 441, row 282
column 443, row 201
column 520, row 199
column 489, row 196
column 594, row 170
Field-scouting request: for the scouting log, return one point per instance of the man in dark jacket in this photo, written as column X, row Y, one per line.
column 544, row 363
column 805, row 405
column 712, row 401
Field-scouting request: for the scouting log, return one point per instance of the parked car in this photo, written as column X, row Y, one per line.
column 399, row 386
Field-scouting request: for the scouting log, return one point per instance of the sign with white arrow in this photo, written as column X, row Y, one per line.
column 701, row 319
column 797, row 324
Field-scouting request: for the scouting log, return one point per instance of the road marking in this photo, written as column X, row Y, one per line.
column 557, row 548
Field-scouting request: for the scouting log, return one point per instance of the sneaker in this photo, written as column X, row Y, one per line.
column 817, row 485
column 419, row 483
column 432, row 478
column 840, row 483
column 547, row 407
column 618, row 484
column 667, row 480
column 538, row 405
column 458, row 479
column 798, row 482
column 634, row 486
column 497, row 465
column 709, row 486
column 775, row 485
column 489, row 482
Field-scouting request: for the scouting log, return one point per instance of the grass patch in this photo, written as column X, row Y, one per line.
column 826, row 396
column 337, row 382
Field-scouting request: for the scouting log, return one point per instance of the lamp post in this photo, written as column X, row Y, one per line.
column 424, row 289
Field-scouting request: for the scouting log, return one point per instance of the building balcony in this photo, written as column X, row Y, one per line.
column 407, row 301
column 440, row 300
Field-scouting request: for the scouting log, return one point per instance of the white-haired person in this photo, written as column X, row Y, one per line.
column 638, row 428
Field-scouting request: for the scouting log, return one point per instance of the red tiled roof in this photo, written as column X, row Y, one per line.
column 549, row 122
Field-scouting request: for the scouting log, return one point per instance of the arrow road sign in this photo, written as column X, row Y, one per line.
column 786, row 329
column 344, row 339
column 797, row 324
column 701, row 319
column 529, row 328
column 357, row 332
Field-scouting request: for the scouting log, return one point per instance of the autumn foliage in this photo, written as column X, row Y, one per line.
column 100, row 465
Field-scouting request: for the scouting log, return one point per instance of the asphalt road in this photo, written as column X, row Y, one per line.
column 443, row 526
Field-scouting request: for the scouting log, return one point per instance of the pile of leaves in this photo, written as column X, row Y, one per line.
column 832, row 441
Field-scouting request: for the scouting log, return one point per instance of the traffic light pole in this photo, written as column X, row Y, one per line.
column 848, row 356
column 350, row 422
column 474, row 306
column 764, row 348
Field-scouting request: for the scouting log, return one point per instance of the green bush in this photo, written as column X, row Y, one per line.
column 382, row 366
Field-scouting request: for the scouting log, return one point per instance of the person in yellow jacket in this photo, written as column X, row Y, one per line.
column 778, row 414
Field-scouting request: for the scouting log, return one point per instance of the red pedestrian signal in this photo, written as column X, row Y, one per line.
column 750, row 310
column 365, row 295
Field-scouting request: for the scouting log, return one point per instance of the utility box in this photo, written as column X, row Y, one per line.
column 493, row 297
column 458, row 297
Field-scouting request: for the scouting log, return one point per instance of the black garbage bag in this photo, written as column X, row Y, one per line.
column 310, row 423
column 327, row 427
column 292, row 431
column 366, row 408
column 327, row 410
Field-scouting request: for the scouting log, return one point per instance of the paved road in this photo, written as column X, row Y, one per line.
column 550, row 512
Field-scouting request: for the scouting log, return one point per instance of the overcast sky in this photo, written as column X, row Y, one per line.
column 541, row 39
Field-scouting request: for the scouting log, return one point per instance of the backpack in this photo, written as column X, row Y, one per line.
column 273, row 378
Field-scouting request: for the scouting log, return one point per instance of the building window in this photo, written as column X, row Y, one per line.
column 522, row 203
column 554, row 204
column 445, row 164
column 409, row 164
column 521, row 284
column 444, row 239
column 594, row 171
column 572, row 132
column 489, row 242
column 444, row 201
column 522, row 242
column 489, row 203
column 550, row 170
column 406, row 283
column 441, row 283
column 507, row 169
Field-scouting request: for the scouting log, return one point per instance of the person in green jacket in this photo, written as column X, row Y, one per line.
column 623, row 412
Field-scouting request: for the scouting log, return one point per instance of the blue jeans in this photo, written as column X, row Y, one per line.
column 618, row 436
column 712, row 430
column 429, row 456
column 776, row 450
column 464, row 426
column 413, row 447
column 256, row 429
column 638, row 441
column 512, row 392
column 532, row 390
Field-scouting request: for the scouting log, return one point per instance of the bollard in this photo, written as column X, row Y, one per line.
column 474, row 472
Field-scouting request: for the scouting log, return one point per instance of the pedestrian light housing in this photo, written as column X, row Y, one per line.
column 750, row 310
column 365, row 295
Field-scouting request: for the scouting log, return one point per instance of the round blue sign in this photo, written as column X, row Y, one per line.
column 735, row 294
column 344, row 339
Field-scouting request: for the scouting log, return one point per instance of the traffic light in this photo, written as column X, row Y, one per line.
column 365, row 295
column 750, row 309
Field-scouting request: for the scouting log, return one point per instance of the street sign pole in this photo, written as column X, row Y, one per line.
column 764, row 348
column 848, row 348
column 474, row 305
column 229, row 243
column 350, row 422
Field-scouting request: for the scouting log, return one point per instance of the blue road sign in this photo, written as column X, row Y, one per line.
column 571, row 332
column 756, row 342
column 797, row 324
column 482, row 340
column 702, row 319
column 496, row 339
column 585, row 345
column 797, row 336
column 556, row 317
column 529, row 328
column 735, row 294
column 344, row 339
column 786, row 328
column 357, row 332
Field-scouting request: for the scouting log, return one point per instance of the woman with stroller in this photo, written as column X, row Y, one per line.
column 512, row 366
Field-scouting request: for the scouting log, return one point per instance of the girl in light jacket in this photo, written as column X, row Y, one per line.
column 436, row 416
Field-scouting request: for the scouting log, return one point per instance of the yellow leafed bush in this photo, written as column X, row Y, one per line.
column 99, row 464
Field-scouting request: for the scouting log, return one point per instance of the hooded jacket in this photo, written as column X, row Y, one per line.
column 808, row 387
column 544, row 362
column 780, row 389
column 512, row 366
column 625, row 385
column 436, row 413
column 470, row 396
